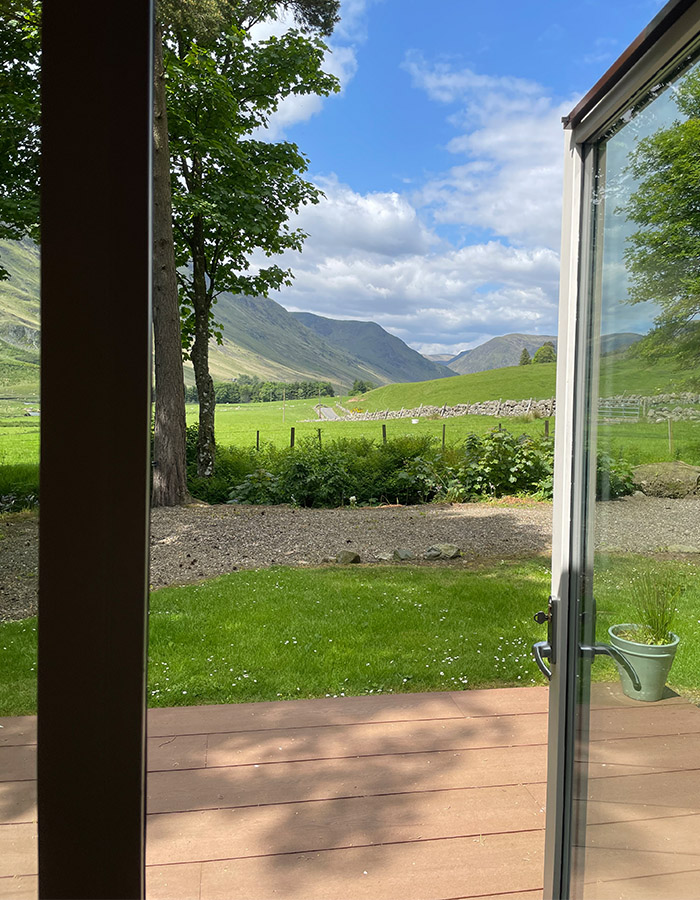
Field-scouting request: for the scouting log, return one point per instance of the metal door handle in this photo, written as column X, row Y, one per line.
column 540, row 650
column 620, row 659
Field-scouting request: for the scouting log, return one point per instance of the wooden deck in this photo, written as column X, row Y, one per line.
column 399, row 797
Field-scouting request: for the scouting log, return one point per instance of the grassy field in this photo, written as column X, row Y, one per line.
column 238, row 424
column 289, row 633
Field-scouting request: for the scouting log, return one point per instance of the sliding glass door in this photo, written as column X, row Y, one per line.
column 624, row 785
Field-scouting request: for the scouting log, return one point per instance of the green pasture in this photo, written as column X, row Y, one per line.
column 285, row 633
column 238, row 424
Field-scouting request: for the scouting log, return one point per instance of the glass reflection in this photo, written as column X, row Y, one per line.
column 639, row 810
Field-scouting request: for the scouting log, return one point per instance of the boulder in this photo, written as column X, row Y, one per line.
column 442, row 551
column 345, row 557
column 384, row 557
column 668, row 479
column 402, row 554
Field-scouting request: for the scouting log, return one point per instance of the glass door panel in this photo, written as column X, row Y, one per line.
column 636, row 812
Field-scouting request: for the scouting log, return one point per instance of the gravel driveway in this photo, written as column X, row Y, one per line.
column 203, row 541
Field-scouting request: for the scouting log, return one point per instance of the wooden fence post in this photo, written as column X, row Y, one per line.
column 257, row 440
column 444, row 427
column 384, row 432
column 319, row 437
column 546, row 427
column 291, row 437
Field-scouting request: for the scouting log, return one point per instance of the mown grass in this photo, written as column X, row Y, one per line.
column 288, row 633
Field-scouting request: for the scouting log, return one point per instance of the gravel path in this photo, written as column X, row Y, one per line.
column 203, row 541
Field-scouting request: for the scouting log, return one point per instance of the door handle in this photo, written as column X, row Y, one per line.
column 540, row 651
column 620, row 658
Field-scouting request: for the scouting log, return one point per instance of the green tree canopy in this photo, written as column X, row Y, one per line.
column 232, row 192
column 525, row 359
column 545, row 354
column 662, row 256
column 19, row 114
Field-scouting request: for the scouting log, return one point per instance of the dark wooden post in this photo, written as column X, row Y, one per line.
column 444, row 427
column 291, row 437
column 384, row 432
column 257, row 440
column 546, row 427
column 319, row 437
column 96, row 176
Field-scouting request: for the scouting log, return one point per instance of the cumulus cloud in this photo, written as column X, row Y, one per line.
column 510, row 145
column 394, row 257
column 340, row 60
column 370, row 257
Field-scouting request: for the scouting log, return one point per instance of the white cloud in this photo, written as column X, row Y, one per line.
column 340, row 60
column 510, row 139
column 370, row 257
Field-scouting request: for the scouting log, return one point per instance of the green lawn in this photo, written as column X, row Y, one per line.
column 287, row 633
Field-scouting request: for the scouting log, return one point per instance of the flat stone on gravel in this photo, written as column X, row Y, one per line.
column 442, row 551
column 345, row 557
column 402, row 554
column 229, row 538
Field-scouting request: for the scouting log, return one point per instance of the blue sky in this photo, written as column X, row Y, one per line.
column 441, row 162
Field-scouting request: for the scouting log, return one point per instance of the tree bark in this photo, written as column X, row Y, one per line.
column 169, row 449
column 206, row 447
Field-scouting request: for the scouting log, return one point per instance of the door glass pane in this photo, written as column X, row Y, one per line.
column 637, row 831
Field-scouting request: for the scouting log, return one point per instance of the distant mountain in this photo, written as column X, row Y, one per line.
column 614, row 343
column 442, row 359
column 386, row 355
column 498, row 352
column 260, row 338
column 505, row 351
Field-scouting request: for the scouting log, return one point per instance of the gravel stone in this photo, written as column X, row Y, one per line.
column 192, row 543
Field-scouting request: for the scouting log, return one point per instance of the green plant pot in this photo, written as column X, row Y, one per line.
column 651, row 662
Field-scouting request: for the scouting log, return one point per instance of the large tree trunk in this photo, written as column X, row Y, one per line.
column 169, row 451
column 206, row 447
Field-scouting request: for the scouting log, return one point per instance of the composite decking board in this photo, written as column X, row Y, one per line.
column 675, row 885
column 17, row 801
column 18, row 763
column 17, row 730
column 18, row 850
column 667, row 752
column 420, row 794
column 302, row 780
column 298, row 713
column 367, row 740
column 22, row 887
column 218, row 834
column 441, row 870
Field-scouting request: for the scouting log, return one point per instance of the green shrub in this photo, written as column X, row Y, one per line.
column 614, row 477
column 19, row 487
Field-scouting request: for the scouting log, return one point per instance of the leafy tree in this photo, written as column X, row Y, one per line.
column 545, row 354
column 20, row 43
column 525, row 359
column 233, row 193
column 359, row 386
column 661, row 257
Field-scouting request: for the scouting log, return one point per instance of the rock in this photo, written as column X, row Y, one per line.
column 442, row 551
column 667, row 479
column 328, row 559
column 402, row 554
column 345, row 557
column 384, row 557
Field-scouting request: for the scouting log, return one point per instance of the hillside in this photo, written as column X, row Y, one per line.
column 513, row 383
column 19, row 321
column 498, row 353
column 382, row 352
column 505, row 351
column 260, row 338
column 618, row 375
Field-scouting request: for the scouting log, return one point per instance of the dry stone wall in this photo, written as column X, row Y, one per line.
column 677, row 407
